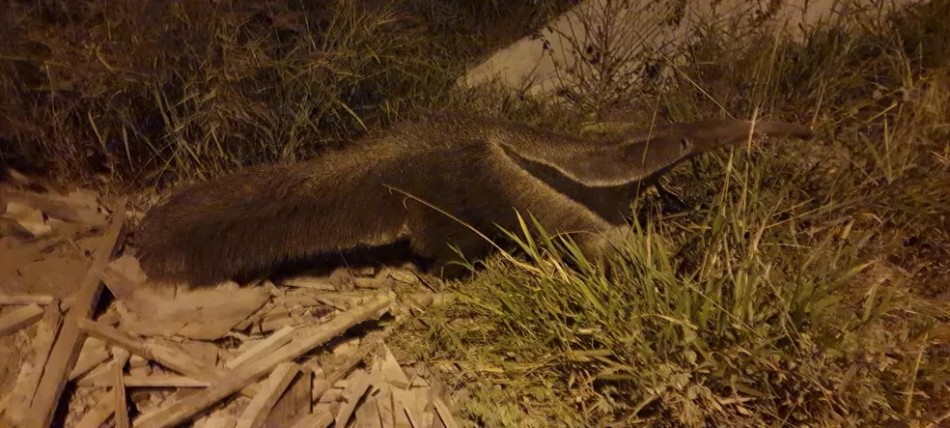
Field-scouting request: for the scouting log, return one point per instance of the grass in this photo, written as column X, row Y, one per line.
column 796, row 291
column 154, row 92
column 806, row 285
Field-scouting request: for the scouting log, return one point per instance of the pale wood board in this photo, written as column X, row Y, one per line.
column 274, row 341
column 121, row 357
column 442, row 412
column 19, row 318
column 184, row 409
column 23, row 391
column 296, row 401
column 359, row 384
column 92, row 353
column 174, row 360
column 25, row 299
column 155, row 381
column 315, row 420
column 219, row 422
column 256, row 413
column 66, row 349
column 97, row 416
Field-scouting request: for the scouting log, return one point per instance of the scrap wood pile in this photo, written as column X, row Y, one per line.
column 109, row 349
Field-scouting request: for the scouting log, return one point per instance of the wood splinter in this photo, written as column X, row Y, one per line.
column 68, row 343
column 183, row 409
column 256, row 413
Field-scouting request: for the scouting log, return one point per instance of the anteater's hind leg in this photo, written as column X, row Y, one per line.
column 441, row 238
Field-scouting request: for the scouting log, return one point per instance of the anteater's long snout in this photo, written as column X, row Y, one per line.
column 711, row 135
column 782, row 129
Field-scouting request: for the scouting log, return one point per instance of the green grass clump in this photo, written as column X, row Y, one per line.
column 805, row 287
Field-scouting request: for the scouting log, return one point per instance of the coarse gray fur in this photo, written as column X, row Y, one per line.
column 478, row 170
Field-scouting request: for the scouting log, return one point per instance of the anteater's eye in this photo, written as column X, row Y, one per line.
column 684, row 143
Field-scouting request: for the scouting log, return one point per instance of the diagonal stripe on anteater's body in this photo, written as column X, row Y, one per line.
column 479, row 171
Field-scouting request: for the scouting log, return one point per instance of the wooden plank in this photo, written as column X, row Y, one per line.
column 358, row 386
column 295, row 403
column 158, row 381
column 22, row 395
column 25, row 299
column 63, row 208
column 20, row 318
column 367, row 414
column 91, row 355
column 384, row 406
column 256, row 412
column 66, row 349
column 219, row 422
column 274, row 341
column 315, row 420
column 184, row 409
column 97, row 416
column 442, row 412
column 170, row 358
column 118, row 388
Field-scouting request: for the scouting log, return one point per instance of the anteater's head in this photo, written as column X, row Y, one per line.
column 700, row 137
column 661, row 148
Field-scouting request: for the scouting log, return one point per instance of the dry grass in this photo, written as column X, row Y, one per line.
column 148, row 92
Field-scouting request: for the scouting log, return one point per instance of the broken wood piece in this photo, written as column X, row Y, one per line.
column 66, row 349
column 296, row 401
column 136, row 361
column 205, row 353
column 154, row 381
column 92, row 354
column 28, row 380
column 442, row 412
column 315, row 420
column 219, row 422
column 20, row 318
column 121, row 357
column 173, row 359
column 28, row 217
column 369, row 344
column 399, row 275
column 407, row 406
column 183, row 409
column 203, row 314
column 310, row 282
column 256, row 413
column 351, row 361
column 97, row 416
column 9, row 227
column 64, row 208
column 360, row 383
column 25, row 299
column 387, row 366
column 384, row 406
column 367, row 414
column 374, row 283
column 276, row 323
